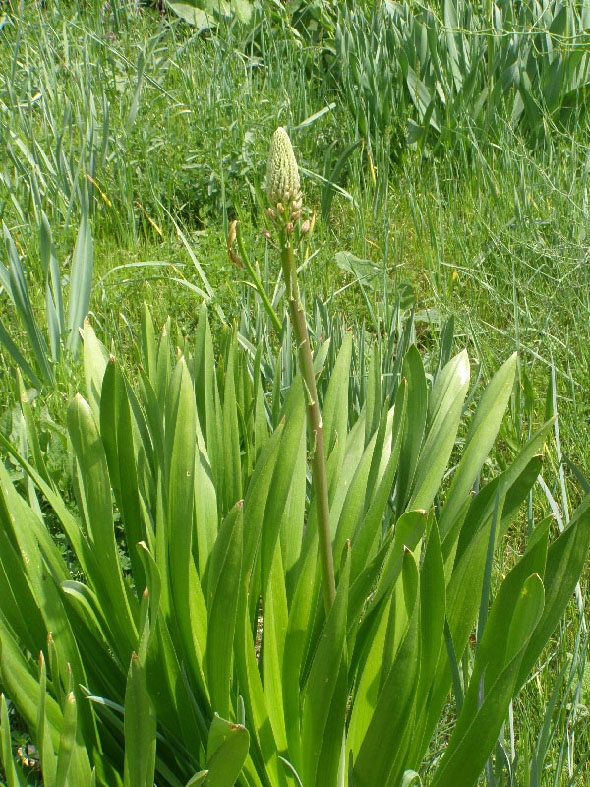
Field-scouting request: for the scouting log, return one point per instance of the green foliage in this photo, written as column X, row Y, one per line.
column 60, row 333
column 454, row 69
column 219, row 609
column 204, row 14
column 494, row 234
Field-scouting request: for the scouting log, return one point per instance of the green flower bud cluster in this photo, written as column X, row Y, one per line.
column 283, row 187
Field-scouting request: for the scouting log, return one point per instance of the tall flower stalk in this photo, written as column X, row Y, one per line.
column 285, row 198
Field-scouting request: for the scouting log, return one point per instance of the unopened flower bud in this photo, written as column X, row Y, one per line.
column 283, row 187
column 305, row 227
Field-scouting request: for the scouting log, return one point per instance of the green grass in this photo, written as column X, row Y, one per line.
column 161, row 129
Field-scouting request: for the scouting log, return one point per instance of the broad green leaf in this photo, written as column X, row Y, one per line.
column 369, row 532
column 117, row 437
column 293, row 518
column 324, row 686
column 432, row 612
column 10, row 773
column 14, row 281
column 369, row 684
column 54, row 299
column 479, row 724
column 335, row 412
column 198, row 778
column 231, row 489
column 148, row 344
column 44, row 735
column 140, row 728
column 23, row 688
column 273, row 645
column 222, row 602
column 355, row 449
column 405, row 596
column 80, row 283
column 180, row 449
column 417, row 408
column 282, row 478
column 256, row 497
column 17, row 356
column 373, row 401
column 355, row 501
column 409, row 529
column 205, row 507
column 373, row 763
column 38, row 557
column 163, row 365
column 299, row 623
column 96, row 495
column 67, row 742
column 445, row 406
column 18, row 604
column 565, row 561
column 483, row 430
column 251, row 687
column 96, row 357
column 227, row 749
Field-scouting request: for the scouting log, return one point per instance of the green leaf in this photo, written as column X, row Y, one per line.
column 232, row 487
column 80, row 283
column 392, row 716
column 222, row 602
column 204, row 14
column 32, row 437
column 282, row 479
column 445, row 407
column 96, row 357
column 227, row 749
column 253, row 693
column 54, row 298
column 17, row 356
column 96, row 493
column 335, row 411
column 480, row 438
column 565, row 560
column 417, row 409
column 198, row 778
column 47, row 756
column 432, row 612
column 369, row 532
column 67, row 743
column 23, row 688
column 180, row 448
column 479, row 724
column 116, row 431
column 299, row 623
column 140, row 728
column 10, row 773
column 15, row 283
column 320, row 745
column 273, row 645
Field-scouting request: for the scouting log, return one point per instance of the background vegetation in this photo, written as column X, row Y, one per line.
column 445, row 151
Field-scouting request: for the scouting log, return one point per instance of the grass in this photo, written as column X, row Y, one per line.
column 165, row 133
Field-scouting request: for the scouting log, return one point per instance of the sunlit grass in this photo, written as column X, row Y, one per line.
column 163, row 129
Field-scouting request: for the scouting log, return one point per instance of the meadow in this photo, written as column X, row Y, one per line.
column 298, row 496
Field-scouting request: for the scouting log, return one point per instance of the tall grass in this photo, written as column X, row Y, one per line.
column 163, row 133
